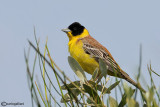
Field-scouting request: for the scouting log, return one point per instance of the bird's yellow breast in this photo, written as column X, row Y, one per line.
column 86, row 61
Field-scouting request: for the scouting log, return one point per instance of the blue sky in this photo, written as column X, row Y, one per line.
column 120, row 25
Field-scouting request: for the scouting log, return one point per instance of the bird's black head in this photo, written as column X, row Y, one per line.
column 76, row 28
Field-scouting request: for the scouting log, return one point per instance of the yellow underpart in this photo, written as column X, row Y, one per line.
column 76, row 51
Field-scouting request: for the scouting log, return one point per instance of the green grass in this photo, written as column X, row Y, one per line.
column 85, row 91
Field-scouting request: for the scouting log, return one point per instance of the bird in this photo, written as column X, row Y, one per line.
column 87, row 51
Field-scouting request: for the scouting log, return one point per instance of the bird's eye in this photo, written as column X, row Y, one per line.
column 74, row 28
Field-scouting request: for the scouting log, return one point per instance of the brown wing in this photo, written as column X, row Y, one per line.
column 97, row 51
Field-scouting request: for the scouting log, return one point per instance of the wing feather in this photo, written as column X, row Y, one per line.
column 99, row 54
column 97, row 51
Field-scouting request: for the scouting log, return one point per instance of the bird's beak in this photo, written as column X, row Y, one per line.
column 66, row 30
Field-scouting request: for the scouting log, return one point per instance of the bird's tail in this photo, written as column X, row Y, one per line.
column 127, row 78
column 134, row 83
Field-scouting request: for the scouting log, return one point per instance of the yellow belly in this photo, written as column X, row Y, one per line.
column 86, row 61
